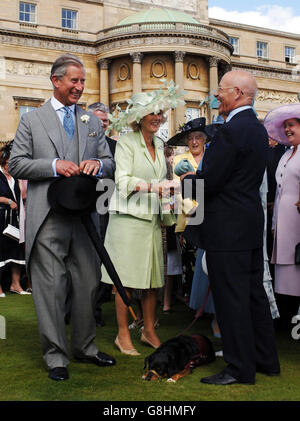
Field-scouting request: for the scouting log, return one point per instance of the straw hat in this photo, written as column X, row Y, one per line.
column 144, row 103
column 274, row 120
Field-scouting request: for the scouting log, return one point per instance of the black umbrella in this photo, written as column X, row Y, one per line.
column 77, row 195
column 104, row 256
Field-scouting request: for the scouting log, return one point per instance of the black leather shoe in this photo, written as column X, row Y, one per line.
column 101, row 359
column 270, row 373
column 221, row 379
column 58, row 373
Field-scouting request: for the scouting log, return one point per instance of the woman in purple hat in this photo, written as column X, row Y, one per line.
column 283, row 125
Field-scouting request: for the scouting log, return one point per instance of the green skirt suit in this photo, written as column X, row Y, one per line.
column 133, row 238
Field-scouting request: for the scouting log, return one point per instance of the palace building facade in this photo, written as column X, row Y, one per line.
column 129, row 46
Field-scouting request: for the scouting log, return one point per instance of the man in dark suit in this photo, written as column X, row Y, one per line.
column 232, row 234
column 104, row 292
column 101, row 111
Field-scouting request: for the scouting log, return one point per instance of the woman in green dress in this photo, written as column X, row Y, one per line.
column 133, row 238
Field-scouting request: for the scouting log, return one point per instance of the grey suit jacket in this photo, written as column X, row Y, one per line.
column 37, row 143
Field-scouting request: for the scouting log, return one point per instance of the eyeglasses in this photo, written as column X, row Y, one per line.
column 220, row 89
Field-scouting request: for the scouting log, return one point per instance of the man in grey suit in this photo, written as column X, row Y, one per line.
column 60, row 139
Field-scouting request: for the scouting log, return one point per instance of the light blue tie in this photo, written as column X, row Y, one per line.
column 68, row 122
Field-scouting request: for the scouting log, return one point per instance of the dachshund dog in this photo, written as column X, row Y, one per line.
column 178, row 356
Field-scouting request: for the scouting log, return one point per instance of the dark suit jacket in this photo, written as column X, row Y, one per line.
column 233, row 168
column 112, row 145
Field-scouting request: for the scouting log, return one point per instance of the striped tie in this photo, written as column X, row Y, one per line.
column 68, row 122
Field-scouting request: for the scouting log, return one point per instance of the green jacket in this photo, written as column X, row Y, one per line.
column 134, row 165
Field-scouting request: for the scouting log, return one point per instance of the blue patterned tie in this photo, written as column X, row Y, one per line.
column 68, row 122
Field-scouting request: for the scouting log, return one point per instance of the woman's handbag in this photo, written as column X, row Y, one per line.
column 297, row 254
column 12, row 231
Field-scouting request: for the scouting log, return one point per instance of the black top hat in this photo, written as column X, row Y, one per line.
column 74, row 195
column 198, row 124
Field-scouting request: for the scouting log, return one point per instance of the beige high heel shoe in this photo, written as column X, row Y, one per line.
column 132, row 352
column 146, row 341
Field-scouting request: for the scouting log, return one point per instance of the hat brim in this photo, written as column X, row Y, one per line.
column 76, row 195
column 139, row 114
column 274, row 121
column 195, row 125
column 212, row 129
column 178, row 139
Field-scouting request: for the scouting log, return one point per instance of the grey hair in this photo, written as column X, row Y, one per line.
column 198, row 131
column 98, row 106
column 61, row 64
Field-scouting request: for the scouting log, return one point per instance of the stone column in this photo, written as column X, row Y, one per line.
column 213, row 82
column 136, row 72
column 104, row 81
column 179, row 80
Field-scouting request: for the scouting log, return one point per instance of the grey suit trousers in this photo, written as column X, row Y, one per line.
column 62, row 252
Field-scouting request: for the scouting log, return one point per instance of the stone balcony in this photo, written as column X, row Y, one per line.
column 162, row 27
column 163, row 36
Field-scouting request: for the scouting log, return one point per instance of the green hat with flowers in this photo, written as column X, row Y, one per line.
column 144, row 103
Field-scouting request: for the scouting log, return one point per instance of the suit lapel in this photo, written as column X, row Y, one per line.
column 83, row 130
column 156, row 165
column 49, row 120
column 145, row 150
column 160, row 157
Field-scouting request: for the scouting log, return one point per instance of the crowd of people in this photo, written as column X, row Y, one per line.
column 223, row 266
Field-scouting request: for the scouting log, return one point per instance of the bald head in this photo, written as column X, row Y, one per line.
column 244, row 81
column 236, row 88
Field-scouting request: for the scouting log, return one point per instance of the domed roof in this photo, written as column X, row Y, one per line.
column 158, row 15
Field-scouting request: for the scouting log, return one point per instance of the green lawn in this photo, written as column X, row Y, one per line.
column 24, row 377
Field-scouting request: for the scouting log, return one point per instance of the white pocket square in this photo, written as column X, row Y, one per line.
column 92, row 134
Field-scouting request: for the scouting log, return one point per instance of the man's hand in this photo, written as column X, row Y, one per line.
column 185, row 174
column 90, row 166
column 67, row 168
column 13, row 206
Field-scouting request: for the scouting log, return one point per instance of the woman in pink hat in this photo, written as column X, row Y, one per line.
column 283, row 125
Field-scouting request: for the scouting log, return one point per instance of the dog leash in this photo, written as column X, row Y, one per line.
column 199, row 312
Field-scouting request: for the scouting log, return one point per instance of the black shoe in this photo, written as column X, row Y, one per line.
column 101, row 359
column 270, row 373
column 221, row 379
column 58, row 373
